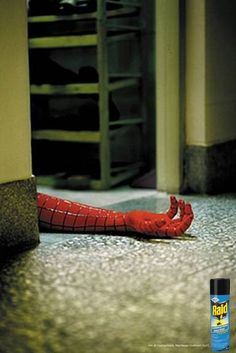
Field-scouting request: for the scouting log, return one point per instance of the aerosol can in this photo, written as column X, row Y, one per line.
column 220, row 314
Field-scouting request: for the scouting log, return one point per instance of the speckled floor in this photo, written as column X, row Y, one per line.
column 100, row 294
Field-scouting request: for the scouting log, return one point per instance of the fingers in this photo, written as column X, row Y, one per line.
column 164, row 224
column 186, row 220
column 178, row 226
column 173, row 207
column 181, row 205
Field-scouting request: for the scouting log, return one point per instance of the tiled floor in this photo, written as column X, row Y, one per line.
column 96, row 293
column 101, row 198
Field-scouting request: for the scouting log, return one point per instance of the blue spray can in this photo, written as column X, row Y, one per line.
column 220, row 314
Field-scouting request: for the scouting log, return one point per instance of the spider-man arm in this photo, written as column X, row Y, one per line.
column 67, row 216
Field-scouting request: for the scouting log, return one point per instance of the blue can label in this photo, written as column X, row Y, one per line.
column 220, row 323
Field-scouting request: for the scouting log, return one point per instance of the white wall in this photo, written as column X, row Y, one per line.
column 15, row 149
column 210, row 72
column 195, row 73
column 221, row 71
column 169, row 168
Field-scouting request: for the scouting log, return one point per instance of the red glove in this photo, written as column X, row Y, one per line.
column 67, row 216
column 162, row 224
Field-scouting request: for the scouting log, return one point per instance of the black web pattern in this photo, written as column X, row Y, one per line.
column 52, row 224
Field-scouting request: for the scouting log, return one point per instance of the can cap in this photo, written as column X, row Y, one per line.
column 220, row 286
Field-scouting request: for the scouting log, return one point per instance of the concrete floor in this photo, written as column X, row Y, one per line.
column 95, row 293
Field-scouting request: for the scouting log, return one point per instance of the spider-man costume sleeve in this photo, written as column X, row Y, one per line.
column 61, row 215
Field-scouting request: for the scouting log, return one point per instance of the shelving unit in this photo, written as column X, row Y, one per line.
column 129, row 10
column 106, row 33
column 80, row 88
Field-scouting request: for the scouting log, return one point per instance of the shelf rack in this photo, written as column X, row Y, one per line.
column 108, row 176
column 129, row 8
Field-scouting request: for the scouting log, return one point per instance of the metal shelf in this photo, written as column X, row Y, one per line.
column 55, row 18
column 125, row 168
column 82, row 136
column 125, row 3
column 84, row 40
column 83, row 181
column 69, row 41
column 119, row 84
column 128, row 121
column 101, row 39
column 80, row 88
column 87, row 16
column 118, row 37
column 124, row 175
column 67, row 136
column 69, row 89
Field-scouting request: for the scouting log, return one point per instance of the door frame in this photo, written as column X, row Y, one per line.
column 169, row 134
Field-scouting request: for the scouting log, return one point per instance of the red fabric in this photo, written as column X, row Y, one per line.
column 67, row 216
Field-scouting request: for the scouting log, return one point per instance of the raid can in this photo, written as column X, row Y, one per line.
column 220, row 314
